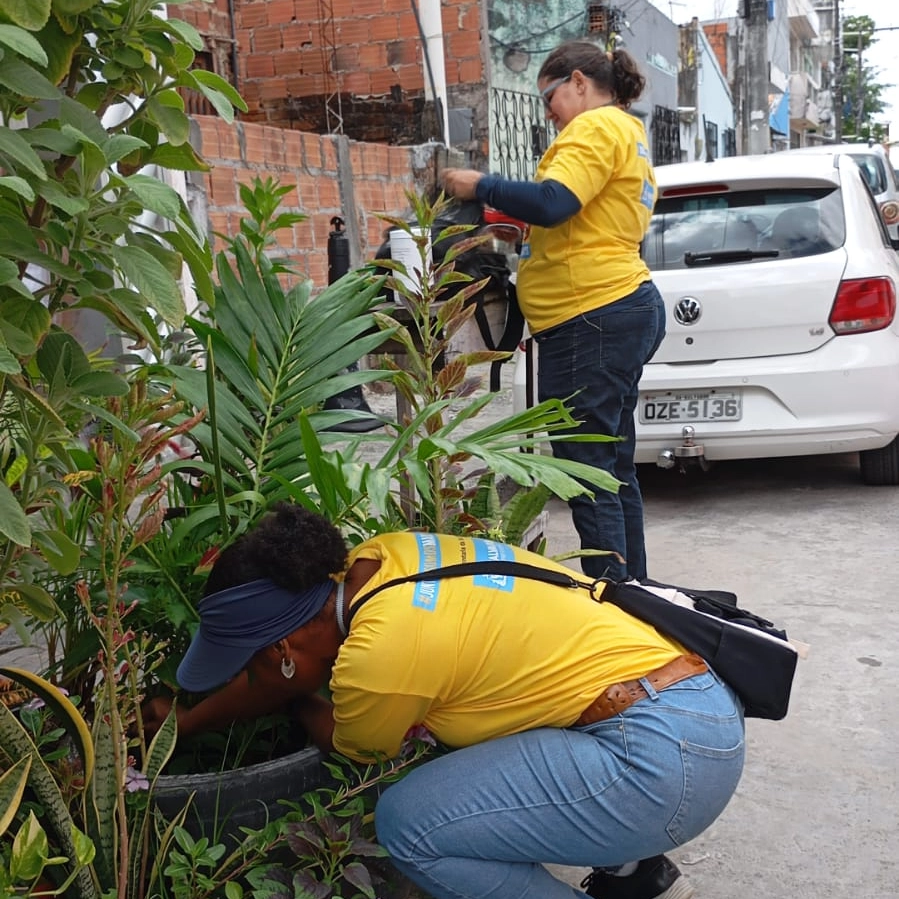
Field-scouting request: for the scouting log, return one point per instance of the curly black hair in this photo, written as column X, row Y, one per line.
column 290, row 545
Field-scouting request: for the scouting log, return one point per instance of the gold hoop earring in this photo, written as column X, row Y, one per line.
column 288, row 668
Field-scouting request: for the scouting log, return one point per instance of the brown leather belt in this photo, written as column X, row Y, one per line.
column 615, row 699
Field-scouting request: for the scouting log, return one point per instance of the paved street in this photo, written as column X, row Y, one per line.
column 802, row 541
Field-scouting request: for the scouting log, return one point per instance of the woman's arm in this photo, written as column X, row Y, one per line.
column 238, row 700
column 544, row 203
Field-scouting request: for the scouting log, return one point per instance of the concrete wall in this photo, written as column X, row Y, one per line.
column 535, row 27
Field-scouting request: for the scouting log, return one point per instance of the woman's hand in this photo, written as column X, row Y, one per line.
column 157, row 710
column 460, row 183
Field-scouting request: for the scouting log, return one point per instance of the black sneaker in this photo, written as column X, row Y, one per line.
column 655, row 878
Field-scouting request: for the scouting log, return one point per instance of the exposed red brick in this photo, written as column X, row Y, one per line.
column 281, row 11
column 267, row 39
column 471, row 71
column 259, row 66
column 251, row 15
column 357, row 83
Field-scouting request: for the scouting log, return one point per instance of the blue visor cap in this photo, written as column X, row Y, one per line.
column 236, row 623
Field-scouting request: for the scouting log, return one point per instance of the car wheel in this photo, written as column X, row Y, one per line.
column 880, row 467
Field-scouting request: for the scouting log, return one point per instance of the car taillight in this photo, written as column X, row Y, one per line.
column 868, row 304
column 889, row 211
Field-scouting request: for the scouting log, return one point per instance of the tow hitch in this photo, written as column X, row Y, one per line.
column 688, row 453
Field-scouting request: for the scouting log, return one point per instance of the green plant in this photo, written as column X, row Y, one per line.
column 428, row 473
column 90, row 94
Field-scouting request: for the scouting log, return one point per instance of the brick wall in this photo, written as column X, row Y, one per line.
column 330, row 175
column 296, row 59
column 717, row 37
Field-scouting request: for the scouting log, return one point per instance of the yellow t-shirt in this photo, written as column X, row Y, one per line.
column 593, row 259
column 475, row 658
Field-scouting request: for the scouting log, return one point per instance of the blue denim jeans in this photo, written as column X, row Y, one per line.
column 480, row 821
column 594, row 362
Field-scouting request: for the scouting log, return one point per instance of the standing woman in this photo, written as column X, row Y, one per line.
column 587, row 295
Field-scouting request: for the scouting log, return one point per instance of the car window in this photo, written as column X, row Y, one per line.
column 775, row 223
column 874, row 170
column 875, row 209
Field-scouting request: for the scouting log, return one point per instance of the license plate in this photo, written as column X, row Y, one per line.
column 698, row 405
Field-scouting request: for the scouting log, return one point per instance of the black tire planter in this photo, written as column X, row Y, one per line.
column 225, row 801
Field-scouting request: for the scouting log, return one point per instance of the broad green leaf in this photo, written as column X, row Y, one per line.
column 155, row 195
column 16, row 340
column 221, row 86
column 82, row 120
column 17, row 151
column 57, row 197
column 100, row 384
column 18, row 186
column 35, row 600
column 13, row 521
column 12, row 788
column 172, row 121
column 52, row 139
column 29, row 14
column 20, row 41
column 85, row 851
column 181, row 157
column 62, row 554
column 29, row 316
column 9, row 271
column 22, row 78
column 30, row 849
column 60, row 45
column 186, row 32
column 73, row 7
column 9, row 365
column 120, row 145
column 150, row 278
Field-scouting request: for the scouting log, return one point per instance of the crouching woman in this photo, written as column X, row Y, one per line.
column 582, row 736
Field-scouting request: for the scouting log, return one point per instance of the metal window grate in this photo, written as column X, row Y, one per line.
column 520, row 135
column 665, row 136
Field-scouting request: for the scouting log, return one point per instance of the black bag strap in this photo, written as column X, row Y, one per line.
column 464, row 569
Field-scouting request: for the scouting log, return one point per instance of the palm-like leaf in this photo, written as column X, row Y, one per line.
column 278, row 354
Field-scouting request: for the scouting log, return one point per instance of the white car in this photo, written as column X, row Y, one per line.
column 780, row 283
column 874, row 161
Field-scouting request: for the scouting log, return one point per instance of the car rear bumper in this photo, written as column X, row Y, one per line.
column 843, row 397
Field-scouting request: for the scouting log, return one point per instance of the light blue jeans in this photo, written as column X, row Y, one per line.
column 479, row 821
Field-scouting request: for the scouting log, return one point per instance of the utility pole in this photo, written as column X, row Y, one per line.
column 837, row 74
column 759, row 138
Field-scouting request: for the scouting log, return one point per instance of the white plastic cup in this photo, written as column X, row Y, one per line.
column 403, row 248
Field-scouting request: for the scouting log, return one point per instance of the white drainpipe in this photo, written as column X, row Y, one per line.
column 434, row 59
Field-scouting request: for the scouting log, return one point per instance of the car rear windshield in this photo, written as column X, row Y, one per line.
column 743, row 226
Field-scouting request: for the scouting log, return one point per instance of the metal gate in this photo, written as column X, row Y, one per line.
column 665, row 136
column 519, row 133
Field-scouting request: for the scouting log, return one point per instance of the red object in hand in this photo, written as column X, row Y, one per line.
column 504, row 227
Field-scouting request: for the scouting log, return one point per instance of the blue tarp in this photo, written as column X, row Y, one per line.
column 779, row 113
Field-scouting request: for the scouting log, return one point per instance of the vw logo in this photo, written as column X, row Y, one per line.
column 687, row 311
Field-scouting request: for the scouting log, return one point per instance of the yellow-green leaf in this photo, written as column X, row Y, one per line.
column 30, row 848
column 20, row 41
column 30, row 14
column 69, row 717
column 13, row 521
column 12, row 788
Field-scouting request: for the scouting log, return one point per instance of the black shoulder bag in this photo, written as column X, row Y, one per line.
column 746, row 651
